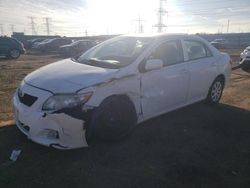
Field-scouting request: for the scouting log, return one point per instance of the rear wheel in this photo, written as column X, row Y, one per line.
column 215, row 91
column 14, row 53
column 113, row 120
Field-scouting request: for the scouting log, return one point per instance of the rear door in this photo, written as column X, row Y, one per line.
column 202, row 67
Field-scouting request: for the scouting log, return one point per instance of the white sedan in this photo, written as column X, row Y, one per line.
column 115, row 85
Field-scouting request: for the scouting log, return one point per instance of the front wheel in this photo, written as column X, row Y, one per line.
column 215, row 91
column 14, row 54
column 113, row 120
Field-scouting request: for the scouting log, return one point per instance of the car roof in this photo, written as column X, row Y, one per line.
column 159, row 35
column 164, row 36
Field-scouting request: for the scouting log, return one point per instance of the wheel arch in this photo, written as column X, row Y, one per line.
column 91, row 125
column 14, row 49
column 120, row 96
column 222, row 78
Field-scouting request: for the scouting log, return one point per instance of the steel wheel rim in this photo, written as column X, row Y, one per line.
column 216, row 91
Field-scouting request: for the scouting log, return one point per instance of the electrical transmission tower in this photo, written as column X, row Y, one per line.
column 228, row 23
column 32, row 23
column 1, row 29
column 47, row 22
column 161, row 12
column 12, row 27
column 140, row 26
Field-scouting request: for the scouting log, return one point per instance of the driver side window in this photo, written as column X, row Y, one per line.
column 169, row 52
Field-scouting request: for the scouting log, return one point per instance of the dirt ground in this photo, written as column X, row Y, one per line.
column 198, row 146
column 11, row 74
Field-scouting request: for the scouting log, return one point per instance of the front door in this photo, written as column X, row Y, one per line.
column 166, row 88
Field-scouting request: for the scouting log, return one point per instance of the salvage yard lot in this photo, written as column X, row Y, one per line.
column 197, row 146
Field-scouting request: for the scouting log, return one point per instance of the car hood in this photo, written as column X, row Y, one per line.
column 67, row 76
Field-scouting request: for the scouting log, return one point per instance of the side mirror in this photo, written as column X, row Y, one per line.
column 153, row 64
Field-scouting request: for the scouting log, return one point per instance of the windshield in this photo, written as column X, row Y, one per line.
column 115, row 53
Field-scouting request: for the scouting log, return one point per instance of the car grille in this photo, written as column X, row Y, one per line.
column 26, row 99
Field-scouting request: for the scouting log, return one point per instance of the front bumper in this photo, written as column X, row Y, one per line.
column 57, row 130
column 245, row 63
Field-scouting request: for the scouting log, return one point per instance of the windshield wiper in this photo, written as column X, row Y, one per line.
column 74, row 59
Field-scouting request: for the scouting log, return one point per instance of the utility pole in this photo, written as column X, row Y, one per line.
column 86, row 32
column 161, row 12
column 222, row 28
column 47, row 22
column 1, row 28
column 140, row 26
column 228, row 22
column 32, row 23
column 12, row 27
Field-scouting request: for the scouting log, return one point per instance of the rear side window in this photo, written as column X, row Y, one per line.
column 169, row 52
column 196, row 50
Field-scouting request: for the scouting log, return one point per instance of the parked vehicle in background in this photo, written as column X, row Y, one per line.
column 220, row 43
column 30, row 43
column 10, row 47
column 115, row 85
column 76, row 48
column 53, row 44
column 245, row 59
column 37, row 44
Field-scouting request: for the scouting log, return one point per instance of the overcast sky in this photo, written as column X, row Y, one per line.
column 74, row 17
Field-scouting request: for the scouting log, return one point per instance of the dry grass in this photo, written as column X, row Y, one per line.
column 11, row 74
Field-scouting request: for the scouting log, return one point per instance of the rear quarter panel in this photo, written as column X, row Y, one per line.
column 224, row 65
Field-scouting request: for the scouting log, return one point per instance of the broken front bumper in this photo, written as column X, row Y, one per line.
column 57, row 130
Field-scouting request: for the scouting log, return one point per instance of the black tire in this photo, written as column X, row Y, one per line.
column 246, row 69
column 14, row 54
column 113, row 120
column 215, row 91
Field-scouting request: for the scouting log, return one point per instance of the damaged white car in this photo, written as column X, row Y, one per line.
column 115, row 85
